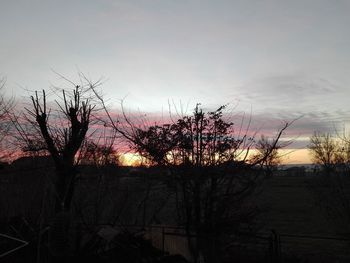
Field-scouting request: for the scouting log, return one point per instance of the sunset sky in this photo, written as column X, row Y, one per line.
column 279, row 60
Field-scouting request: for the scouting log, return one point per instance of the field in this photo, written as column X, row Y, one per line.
column 287, row 205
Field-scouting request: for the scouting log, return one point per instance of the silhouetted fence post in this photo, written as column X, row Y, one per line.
column 275, row 247
column 163, row 241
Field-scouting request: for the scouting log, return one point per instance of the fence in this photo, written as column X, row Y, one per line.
column 174, row 240
column 311, row 248
column 272, row 247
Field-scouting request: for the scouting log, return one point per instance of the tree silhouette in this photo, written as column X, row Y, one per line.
column 331, row 185
column 212, row 176
column 99, row 151
column 6, row 105
column 330, row 152
column 63, row 143
column 59, row 133
column 267, row 155
column 197, row 140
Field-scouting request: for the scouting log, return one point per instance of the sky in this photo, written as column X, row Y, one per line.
column 278, row 60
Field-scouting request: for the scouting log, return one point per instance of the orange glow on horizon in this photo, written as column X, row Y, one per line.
column 130, row 159
column 296, row 156
column 289, row 156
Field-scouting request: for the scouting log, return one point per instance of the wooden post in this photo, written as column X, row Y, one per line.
column 275, row 247
column 163, row 241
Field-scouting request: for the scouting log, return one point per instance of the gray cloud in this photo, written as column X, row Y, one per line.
column 283, row 59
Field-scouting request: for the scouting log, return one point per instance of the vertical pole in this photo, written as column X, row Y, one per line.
column 275, row 247
column 271, row 248
column 279, row 249
column 163, row 241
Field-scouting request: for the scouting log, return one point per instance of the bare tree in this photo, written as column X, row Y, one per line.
column 331, row 185
column 59, row 133
column 212, row 169
column 6, row 104
column 212, row 173
column 267, row 153
column 330, row 152
column 324, row 150
column 99, row 150
column 63, row 143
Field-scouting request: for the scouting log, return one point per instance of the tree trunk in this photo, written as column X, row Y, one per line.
column 59, row 233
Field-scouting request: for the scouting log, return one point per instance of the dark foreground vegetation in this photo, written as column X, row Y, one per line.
column 207, row 190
